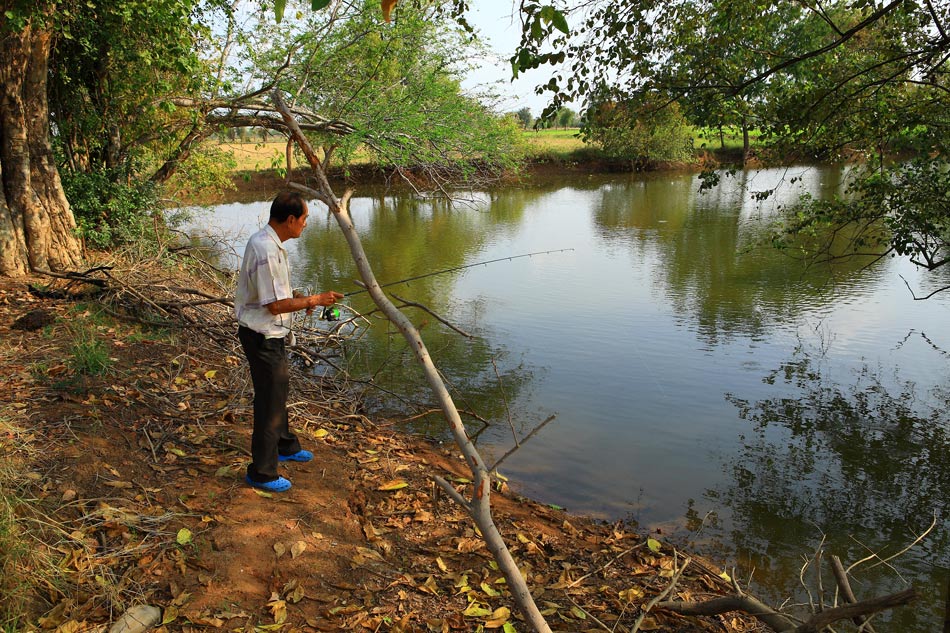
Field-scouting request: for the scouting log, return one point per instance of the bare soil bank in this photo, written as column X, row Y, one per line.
column 136, row 478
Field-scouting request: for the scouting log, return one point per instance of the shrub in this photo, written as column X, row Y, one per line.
column 110, row 208
column 644, row 132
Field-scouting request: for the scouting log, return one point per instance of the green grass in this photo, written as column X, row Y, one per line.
column 550, row 144
column 88, row 354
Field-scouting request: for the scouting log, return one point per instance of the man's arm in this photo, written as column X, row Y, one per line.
column 309, row 302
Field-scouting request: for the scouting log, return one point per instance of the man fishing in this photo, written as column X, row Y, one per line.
column 263, row 303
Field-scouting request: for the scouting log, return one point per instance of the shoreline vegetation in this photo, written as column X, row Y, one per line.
column 254, row 168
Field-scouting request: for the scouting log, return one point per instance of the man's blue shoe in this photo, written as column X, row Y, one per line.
column 277, row 485
column 299, row 456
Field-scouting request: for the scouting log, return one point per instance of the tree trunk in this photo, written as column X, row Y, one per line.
column 197, row 134
column 745, row 140
column 37, row 228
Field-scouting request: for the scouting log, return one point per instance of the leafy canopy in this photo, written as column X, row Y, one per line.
column 397, row 86
column 861, row 79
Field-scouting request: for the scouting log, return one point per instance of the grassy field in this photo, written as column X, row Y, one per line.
column 255, row 156
column 552, row 144
column 553, row 141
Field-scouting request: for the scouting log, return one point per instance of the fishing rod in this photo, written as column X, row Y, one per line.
column 332, row 313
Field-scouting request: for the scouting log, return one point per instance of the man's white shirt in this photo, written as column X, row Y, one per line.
column 264, row 279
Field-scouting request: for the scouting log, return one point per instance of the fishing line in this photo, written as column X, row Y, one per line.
column 332, row 313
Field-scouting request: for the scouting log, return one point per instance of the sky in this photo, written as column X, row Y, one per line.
column 500, row 28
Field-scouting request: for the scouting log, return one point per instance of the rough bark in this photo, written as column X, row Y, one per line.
column 37, row 228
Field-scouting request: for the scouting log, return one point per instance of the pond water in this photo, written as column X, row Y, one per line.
column 712, row 390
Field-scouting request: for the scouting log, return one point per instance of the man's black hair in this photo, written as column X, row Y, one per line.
column 286, row 204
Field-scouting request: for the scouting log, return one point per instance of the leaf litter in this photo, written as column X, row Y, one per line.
column 140, row 470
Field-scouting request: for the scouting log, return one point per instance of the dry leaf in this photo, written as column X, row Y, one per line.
column 498, row 618
column 430, row 586
column 476, row 610
column 297, row 549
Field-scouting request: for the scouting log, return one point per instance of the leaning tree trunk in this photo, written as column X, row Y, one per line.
column 37, row 228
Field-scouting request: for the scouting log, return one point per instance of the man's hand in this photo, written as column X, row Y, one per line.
column 327, row 298
column 301, row 301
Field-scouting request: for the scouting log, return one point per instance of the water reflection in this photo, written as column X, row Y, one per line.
column 667, row 302
column 870, row 455
column 713, row 254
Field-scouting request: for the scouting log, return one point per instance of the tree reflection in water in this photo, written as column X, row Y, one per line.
column 866, row 465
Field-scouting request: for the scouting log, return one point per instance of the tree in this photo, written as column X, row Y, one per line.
column 397, row 89
column 566, row 117
column 36, row 224
column 638, row 130
column 525, row 117
column 827, row 81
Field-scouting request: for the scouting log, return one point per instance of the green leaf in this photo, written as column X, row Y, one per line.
column 279, row 6
column 560, row 23
column 536, row 32
column 316, row 5
column 184, row 536
column 654, row 545
column 509, row 628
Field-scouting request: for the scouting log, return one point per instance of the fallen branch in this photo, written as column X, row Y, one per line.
column 718, row 606
column 783, row 623
column 841, row 576
column 656, row 599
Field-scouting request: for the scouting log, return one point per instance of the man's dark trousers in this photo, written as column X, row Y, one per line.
column 271, row 377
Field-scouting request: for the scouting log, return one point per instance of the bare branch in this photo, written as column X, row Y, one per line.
column 657, row 598
column 844, row 584
column 479, row 507
column 925, row 297
column 441, row 320
column 517, row 446
column 746, row 603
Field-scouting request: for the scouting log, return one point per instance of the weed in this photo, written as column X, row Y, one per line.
column 88, row 355
column 89, row 313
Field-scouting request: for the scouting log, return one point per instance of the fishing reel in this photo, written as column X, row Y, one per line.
column 330, row 313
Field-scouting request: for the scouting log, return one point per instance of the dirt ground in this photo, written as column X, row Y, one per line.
column 136, row 481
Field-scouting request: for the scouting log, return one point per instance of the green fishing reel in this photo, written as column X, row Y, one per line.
column 331, row 313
